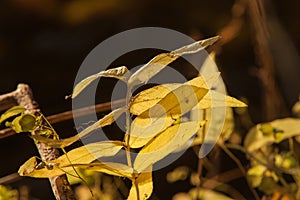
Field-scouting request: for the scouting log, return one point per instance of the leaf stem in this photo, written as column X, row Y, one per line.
column 128, row 126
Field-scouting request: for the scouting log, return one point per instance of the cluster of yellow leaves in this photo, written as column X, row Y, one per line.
column 157, row 128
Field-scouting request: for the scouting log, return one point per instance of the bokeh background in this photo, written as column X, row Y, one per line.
column 43, row 42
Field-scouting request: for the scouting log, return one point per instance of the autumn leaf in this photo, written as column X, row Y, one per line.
column 81, row 155
column 162, row 60
column 144, row 129
column 121, row 73
column 164, row 144
column 143, row 184
column 16, row 110
column 111, row 168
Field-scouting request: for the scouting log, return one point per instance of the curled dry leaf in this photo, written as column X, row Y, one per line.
column 106, row 120
column 162, row 60
column 121, row 73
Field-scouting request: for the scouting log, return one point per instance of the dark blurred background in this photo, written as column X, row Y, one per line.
column 43, row 42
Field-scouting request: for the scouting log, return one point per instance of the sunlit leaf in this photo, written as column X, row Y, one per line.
column 16, row 110
column 115, row 169
column 215, row 108
column 164, row 113
column 165, row 143
column 178, row 102
column 162, row 60
column 148, row 98
column 215, row 99
column 120, row 73
column 106, row 120
column 287, row 128
column 81, row 155
column 144, row 129
column 144, row 185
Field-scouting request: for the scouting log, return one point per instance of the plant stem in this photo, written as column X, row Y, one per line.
column 240, row 166
column 200, row 161
column 127, row 138
column 128, row 126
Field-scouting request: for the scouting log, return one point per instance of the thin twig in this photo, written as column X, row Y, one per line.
column 10, row 178
column 200, row 160
column 102, row 107
column 240, row 166
column 60, row 117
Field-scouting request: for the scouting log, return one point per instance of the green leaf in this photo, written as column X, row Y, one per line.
column 23, row 123
column 162, row 60
column 120, row 73
column 255, row 175
column 144, row 184
column 285, row 128
column 165, row 143
column 106, row 120
column 81, row 155
column 16, row 110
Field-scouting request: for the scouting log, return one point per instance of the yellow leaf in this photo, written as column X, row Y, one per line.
column 215, row 99
column 115, row 169
column 148, row 98
column 176, row 103
column 162, row 60
column 120, row 73
column 61, row 143
column 165, row 143
column 142, row 187
column 205, row 81
column 144, row 129
column 90, row 152
column 16, row 110
column 81, row 155
column 163, row 114
column 255, row 139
